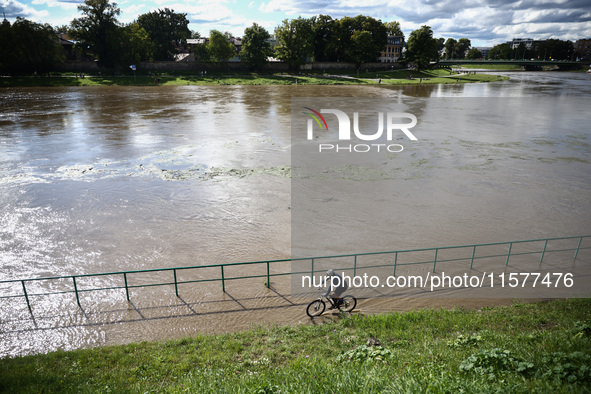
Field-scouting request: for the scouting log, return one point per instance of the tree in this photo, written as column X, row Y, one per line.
column 501, row 51
column 474, row 54
column 376, row 40
column 28, row 46
column 219, row 48
column 166, row 29
column 295, row 38
column 202, row 53
column 556, row 49
column 360, row 52
column 393, row 28
column 136, row 43
column 462, row 46
column 440, row 44
column 98, row 31
column 324, row 30
column 6, row 46
column 255, row 47
column 421, row 47
column 450, row 47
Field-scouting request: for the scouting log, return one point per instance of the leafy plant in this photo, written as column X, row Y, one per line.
column 366, row 353
column 583, row 329
column 495, row 361
column 465, row 340
column 572, row 367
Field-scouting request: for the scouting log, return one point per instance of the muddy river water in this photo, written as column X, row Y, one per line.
column 104, row 179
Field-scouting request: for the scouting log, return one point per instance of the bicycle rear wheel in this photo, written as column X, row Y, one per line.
column 349, row 303
column 316, row 308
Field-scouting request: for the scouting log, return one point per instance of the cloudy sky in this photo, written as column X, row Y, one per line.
column 484, row 22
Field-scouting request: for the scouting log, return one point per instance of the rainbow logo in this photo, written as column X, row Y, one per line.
column 315, row 116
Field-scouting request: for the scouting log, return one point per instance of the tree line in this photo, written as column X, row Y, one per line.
column 26, row 46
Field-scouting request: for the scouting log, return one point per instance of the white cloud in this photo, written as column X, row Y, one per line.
column 13, row 8
column 285, row 6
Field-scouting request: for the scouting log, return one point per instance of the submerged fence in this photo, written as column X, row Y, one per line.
column 542, row 248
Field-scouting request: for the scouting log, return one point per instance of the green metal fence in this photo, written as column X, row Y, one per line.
column 542, row 247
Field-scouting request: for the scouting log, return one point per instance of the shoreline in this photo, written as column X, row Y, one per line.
column 397, row 77
column 516, row 347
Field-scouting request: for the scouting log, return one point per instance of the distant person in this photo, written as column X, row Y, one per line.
column 336, row 291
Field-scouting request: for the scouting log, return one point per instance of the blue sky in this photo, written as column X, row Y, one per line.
column 484, row 22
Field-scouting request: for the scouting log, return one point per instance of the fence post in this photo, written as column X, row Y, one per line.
column 473, row 253
column 395, row 263
column 126, row 288
column 176, row 286
column 355, row 266
column 223, row 279
column 26, row 296
column 268, row 276
column 578, row 246
column 312, row 268
column 76, row 291
column 435, row 260
column 509, row 254
column 543, row 251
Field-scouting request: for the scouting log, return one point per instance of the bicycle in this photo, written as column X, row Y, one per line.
column 317, row 307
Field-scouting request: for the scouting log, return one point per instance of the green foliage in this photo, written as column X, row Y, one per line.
column 422, row 47
column 394, row 29
column 325, row 36
column 295, row 38
column 501, row 51
column 219, row 48
column 360, row 52
column 570, row 368
column 456, row 49
column 27, row 47
column 255, row 47
column 465, row 340
column 583, row 329
column 495, row 361
column 359, row 39
column 366, row 353
column 165, row 29
column 473, row 54
column 137, row 46
column 462, row 47
column 556, row 49
column 450, row 46
column 98, row 30
column 202, row 53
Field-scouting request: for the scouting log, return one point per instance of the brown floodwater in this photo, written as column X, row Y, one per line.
column 106, row 179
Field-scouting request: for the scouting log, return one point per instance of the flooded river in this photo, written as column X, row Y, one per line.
column 104, row 179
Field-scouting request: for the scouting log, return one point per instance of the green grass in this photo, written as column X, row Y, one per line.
column 538, row 347
column 490, row 66
column 398, row 77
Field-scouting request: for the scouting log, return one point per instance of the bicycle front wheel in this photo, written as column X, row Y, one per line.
column 349, row 303
column 316, row 308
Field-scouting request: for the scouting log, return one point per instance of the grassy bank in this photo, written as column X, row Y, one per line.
column 542, row 347
column 398, row 77
column 489, row 66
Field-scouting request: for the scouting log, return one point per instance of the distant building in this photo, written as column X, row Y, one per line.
column 583, row 48
column 484, row 51
column 272, row 41
column 67, row 45
column 197, row 41
column 528, row 42
column 392, row 50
